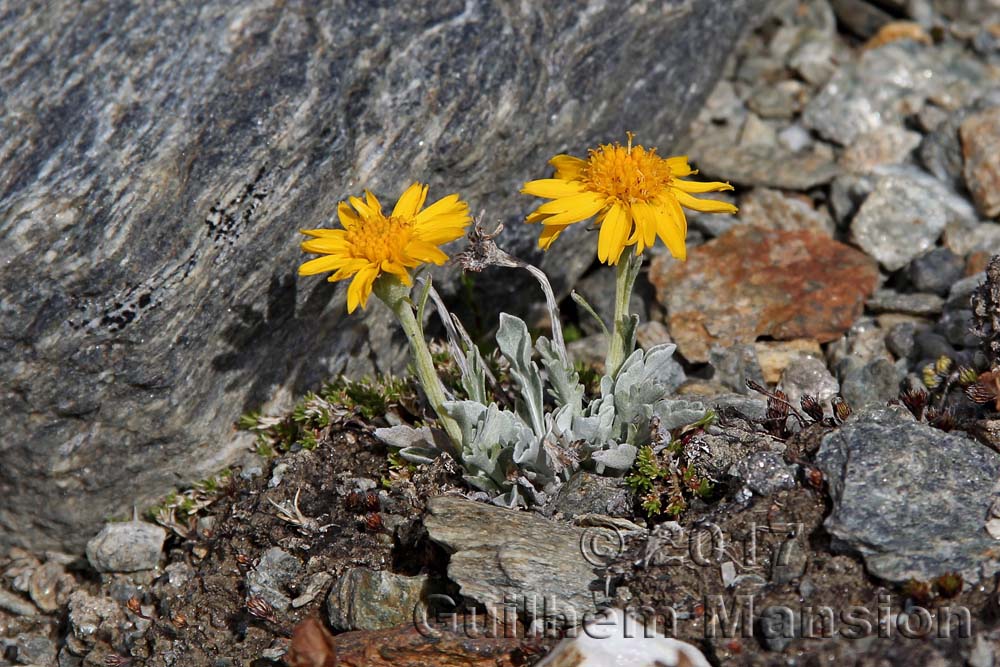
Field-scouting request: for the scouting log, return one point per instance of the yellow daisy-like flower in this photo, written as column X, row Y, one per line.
column 635, row 194
column 372, row 243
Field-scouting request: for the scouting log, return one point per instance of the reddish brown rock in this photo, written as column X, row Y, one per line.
column 408, row 646
column 753, row 282
column 981, row 147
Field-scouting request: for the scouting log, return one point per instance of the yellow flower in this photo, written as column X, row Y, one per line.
column 635, row 194
column 372, row 243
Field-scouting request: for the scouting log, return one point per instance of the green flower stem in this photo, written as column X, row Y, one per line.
column 622, row 340
column 397, row 297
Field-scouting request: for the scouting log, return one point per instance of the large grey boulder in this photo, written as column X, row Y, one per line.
column 159, row 158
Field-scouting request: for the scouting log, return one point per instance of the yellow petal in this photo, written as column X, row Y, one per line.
column 679, row 166
column 614, row 233
column 397, row 270
column 439, row 235
column 450, row 205
column 322, row 265
column 646, row 222
column 572, row 209
column 549, row 234
column 703, row 205
column 364, row 210
column 672, row 230
column 349, row 268
column 568, row 168
column 552, row 188
column 326, row 245
column 360, row 288
column 373, row 203
column 698, row 186
column 323, row 233
column 425, row 252
column 410, row 202
column 348, row 217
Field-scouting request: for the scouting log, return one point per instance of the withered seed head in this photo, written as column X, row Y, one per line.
column 812, row 407
column 841, row 410
column 373, row 522
column 949, row 585
column 915, row 401
column 261, row 608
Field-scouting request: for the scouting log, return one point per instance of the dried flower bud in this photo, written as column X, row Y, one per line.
column 812, row 407
column 373, row 522
column 261, row 608
column 918, row 591
column 949, row 585
column 841, row 410
column 777, row 406
column 986, row 389
column 179, row 620
column 943, row 365
column 941, row 419
column 930, row 377
column 967, row 376
column 915, row 401
column 354, row 501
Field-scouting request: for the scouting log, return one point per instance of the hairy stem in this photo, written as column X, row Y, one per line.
column 396, row 296
column 623, row 334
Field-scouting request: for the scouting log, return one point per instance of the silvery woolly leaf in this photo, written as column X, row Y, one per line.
column 420, row 441
column 619, row 459
column 418, row 455
column 565, row 381
column 675, row 413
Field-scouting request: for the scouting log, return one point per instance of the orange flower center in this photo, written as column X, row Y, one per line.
column 380, row 238
column 630, row 173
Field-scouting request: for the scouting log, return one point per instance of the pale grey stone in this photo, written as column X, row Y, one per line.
column 898, row 221
column 127, row 546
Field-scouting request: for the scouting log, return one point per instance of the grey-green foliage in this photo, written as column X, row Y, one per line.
column 521, row 455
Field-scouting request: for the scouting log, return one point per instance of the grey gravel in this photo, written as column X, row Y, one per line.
column 910, row 499
column 910, row 303
column 500, row 555
column 898, row 221
column 270, row 576
column 874, row 383
column 901, row 339
column 16, row 605
column 587, row 493
column 734, row 365
column 807, row 375
column 765, row 473
column 128, row 546
column 935, row 271
column 882, row 86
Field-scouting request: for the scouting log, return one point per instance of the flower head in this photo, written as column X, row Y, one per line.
column 372, row 243
column 635, row 194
